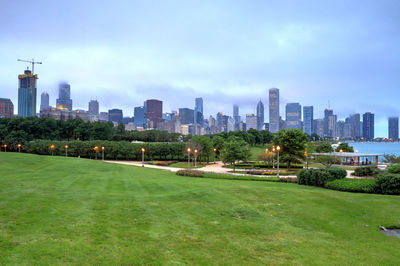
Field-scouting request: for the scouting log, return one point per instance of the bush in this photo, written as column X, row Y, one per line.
column 394, row 169
column 163, row 163
column 366, row 171
column 318, row 177
column 192, row 173
column 270, row 172
column 388, row 183
column 353, row 185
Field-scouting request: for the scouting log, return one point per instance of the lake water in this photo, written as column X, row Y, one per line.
column 377, row 147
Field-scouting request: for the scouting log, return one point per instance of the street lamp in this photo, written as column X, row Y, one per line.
column 215, row 150
column 96, row 148
column 273, row 158
column 5, row 147
column 188, row 151
column 341, row 158
column 143, row 150
column 306, row 154
column 195, row 158
column 102, row 152
column 51, row 147
column 278, row 149
column 66, row 150
column 19, row 147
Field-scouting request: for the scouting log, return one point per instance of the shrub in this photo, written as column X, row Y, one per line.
column 318, row 177
column 394, row 169
column 353, row 185
column 366, row 171
column 193, row 173
column 388, row 183
column 163, row 163
column 270, row 172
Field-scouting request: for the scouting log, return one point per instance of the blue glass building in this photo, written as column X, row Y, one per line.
column 293, row 115
column 139, row 116
column 308, row 119
column 27, row 92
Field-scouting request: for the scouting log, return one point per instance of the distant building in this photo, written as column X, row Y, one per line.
column 293, row 116
column 27, row 92
column 368, row 126
column 64, row 95
column 6, row 108
column 61, row 112
column 236, row 117
column 186, row 116
column 332, row 126
column 274, row 118
column 44, row 101
column 327, row 131
column 355, row 125
column 115, row 115
column 308, row 119
column 153, row 109
column 139, row 115
column 218, row 122
column 103, row 116
column 251, row 121
column 93, row 107
column 319, row 127
column 394, row 128
column 126, row 120
column 198, row 111
column 260, row 115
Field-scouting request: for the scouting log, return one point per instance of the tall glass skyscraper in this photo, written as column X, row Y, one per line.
column 64, row 95
column 236, row 117
column 198, row 111
column 27, row 92
column 394, row 128
column 44, row 101
column 140, row 117
column 368, row 126
column 274, row 110
column 308, row 119
column 93, row 107
column 293, row 115
column 260, row 115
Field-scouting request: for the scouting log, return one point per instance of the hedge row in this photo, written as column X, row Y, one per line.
column 318, row 177
column 192, row 173
column 366, row 171
column 353, row 185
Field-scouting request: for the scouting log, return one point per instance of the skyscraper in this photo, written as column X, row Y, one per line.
column 27, row 92
column 219, row 122
column 153, row 109
column 328, row 132
column 198, row 111
column 260, row 115
column 115, row 115
column 186, row 115
column 139, row 116
column 64, row 95
column 368, row 126
column 44, row 101
column 6, row 108
column 93, row 107
column 319, row 127
column 251, row 121
column 293, row 115
column 355, row 125
column 308, row 119
column 236, row 117
column 274, row 110
column 394, row 128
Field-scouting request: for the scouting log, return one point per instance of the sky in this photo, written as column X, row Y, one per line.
column 339, row 54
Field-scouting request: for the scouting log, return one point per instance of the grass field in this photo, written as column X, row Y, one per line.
column 57, row 210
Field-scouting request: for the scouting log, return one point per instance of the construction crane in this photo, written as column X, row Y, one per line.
column 31, row 62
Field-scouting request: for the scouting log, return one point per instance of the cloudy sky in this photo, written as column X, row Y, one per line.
column 342, row 53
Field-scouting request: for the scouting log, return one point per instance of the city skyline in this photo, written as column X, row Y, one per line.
column 231, row 56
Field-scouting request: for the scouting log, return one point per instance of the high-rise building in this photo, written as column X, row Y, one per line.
column 308, row 119
column 260, row 115
column 219, row 122
column 44, row 101
column 64, row 95
column 198, row 111
column 368, row 126
column 327, row 131
column 251, row 121
column 139, row 116
column 6, row 108
column 355, row 125
column 394, row 128
column 103, row 116
column 115, row 115
column 153, row 109
column 332, row 126
column 186, row 115
column 236, row 117
column 93, row 107
column 27, row 92
column 319, row 127
column 293, row 116
column 274, row 118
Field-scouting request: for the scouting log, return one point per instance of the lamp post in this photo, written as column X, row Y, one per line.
column 5, row 147
column 278, row 149
column 195, row 158
column 143, row 150
column 273, row 158
column 215, row 151
column 66, row 150
column 102, row 152
column 305, row 155
column 341, row 158
column 19, row 147
column 52, row 149
column 188, row 151
column 96, row 148
column 266, row 157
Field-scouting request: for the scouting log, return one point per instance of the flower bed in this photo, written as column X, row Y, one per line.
column 192, row 173
column 270, row 172
column 163, row 163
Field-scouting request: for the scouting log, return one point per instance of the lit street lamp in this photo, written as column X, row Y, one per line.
column 215, row 151
column 278, row 149
column 273, row 158
column 66, row 150
column 19, row 147
column 96, row 148
column 102, row 152
column 51, row 147
column 195, row 158
column 188, row 151
column 5, row 147
column 143, row 150
column 341, row 158
column 305, row 155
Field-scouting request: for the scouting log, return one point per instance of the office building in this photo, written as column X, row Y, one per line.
column 153, row 109
column 274, row 118
column 61, row 112
column 319, row 127
column 368, row 126
column 218, row 122
column 27, row 93
column 251, row 121
column 93, row 107
column 198, row 111
column 293, row 116
column 186, row 116
column 260, row 115
column 115, row 115
column 64, row 95
column 44, row 101
column 355, row 125
column 6, row 108
column 236, row 117
column 394, row 128
column 327, row 131
column 308, row 119
column 139, row 115
column 103, row 116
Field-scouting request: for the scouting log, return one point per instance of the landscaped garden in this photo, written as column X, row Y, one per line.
column 57, row 210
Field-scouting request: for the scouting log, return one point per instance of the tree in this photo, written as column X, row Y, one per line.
column 324, row 148
column 266, row 157
column 218, row 143
column 326, row 160
column 235, row 149
column 345, row 147
column 293, row 143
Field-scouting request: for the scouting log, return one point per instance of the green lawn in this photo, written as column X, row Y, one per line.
column 255, row 151
column 57, row 210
